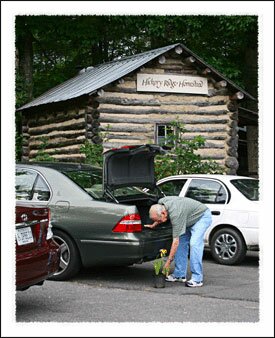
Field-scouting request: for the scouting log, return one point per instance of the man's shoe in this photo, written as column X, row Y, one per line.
column 172, row 278
column 192, row 284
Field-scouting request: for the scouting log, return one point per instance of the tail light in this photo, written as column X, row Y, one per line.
column 129, row 223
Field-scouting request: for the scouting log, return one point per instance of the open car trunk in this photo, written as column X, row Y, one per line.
column 129, row 177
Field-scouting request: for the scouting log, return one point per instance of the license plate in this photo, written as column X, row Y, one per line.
column 24, row 236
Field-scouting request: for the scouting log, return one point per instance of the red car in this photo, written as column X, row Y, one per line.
column 37, row 254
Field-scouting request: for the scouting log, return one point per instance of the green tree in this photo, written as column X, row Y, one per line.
column 51, row 49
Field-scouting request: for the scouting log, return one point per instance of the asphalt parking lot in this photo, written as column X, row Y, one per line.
column 126, row 294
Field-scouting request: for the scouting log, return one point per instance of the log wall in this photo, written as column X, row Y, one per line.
column 128, row 117
column 60, row 134
column 122, row 116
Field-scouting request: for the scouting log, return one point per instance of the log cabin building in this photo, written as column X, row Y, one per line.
column 133, row 100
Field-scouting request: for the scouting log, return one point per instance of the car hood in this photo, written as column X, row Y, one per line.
column 130, row 166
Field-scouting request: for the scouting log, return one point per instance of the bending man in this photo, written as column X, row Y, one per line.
column 190, row 220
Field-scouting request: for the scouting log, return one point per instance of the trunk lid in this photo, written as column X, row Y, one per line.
column 130, row 166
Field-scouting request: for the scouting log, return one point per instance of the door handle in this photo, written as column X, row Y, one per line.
column 215, row 212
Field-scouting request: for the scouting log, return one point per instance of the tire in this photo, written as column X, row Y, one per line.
column 227, row 247
column 70, row 262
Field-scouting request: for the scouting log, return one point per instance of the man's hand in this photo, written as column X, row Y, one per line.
column 150, row 225
column 166, row 268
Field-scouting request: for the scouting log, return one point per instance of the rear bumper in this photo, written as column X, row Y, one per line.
column 33, row 268
column 123, row 252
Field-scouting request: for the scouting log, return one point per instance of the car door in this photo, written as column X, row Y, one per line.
column 212, row 192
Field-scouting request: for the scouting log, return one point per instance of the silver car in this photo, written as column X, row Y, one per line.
column 98, row 219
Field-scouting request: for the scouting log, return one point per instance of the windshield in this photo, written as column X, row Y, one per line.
column 248, row 187
column 91, row 182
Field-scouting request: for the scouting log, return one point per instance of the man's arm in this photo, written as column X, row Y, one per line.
column 173, row 250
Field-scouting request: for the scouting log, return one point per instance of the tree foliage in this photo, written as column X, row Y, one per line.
column 51, row 49
column 61, row 45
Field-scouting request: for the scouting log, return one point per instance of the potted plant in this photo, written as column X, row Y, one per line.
column 159, row 274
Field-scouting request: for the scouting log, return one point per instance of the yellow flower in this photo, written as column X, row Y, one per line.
column 159, row 262
column 163, row 252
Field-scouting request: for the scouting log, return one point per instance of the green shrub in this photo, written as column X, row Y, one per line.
column 93, row 153
column 181, row 158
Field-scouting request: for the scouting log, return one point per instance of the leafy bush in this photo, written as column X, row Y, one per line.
column 181, row 158
column 93, row 153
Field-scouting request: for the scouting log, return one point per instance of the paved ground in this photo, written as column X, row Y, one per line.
column 122, row 301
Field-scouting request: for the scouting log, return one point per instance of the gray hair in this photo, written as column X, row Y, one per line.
column 156, row 208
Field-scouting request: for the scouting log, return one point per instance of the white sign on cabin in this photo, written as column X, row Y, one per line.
column 172, row 83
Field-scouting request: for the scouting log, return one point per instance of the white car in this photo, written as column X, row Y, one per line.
column 233, row 201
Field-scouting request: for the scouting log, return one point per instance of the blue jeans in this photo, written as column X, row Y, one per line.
column 193, row 238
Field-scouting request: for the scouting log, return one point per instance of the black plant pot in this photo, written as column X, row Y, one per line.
column 159, row 281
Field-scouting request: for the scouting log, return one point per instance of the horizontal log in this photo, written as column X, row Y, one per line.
column 206, row 128
column 54, row 119
column 69, row 134
column 58, row 142
column 160, row 102
column 151, row 71
column 211, row 153
column 169, row 97
column 129, row 136
column 70, row 157
column 212, row 110
column 172, row 67
column 215, row 144
column 69, row 124
column 60, row 150
column 156, row 118
column 205, row 135
column 121, row 127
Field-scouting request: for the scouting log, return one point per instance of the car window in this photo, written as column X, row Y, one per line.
column 30, row 185
column 24, row 184
column 248, row 187
column 172, row 188
column 206, row 191
column 41, row 191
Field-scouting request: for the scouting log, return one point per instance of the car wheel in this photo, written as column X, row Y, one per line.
column 228, row 247
column 69, row 258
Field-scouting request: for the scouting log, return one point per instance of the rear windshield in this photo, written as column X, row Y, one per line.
column 91, row 182
column 248, row 187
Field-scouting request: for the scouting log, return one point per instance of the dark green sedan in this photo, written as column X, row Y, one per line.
column 98, row 215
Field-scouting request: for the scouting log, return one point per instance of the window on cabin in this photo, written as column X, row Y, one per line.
column 162, row 133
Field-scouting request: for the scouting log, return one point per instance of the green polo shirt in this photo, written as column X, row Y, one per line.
column 183, row 212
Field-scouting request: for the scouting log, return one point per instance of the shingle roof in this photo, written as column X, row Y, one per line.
column 99, row 76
